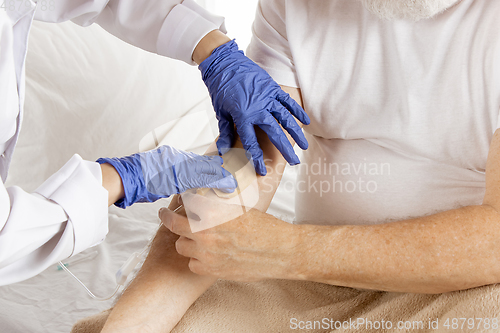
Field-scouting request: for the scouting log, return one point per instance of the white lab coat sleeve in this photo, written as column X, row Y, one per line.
column 64, row 216
column 171, row 28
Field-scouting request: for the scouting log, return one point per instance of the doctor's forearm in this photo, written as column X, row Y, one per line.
column 112, row 182
column 452, row 250
column 207, row 44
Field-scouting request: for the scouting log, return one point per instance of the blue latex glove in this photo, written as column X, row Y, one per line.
column 243, row 94
column 164, row 171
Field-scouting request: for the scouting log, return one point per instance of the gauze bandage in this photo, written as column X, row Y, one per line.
column 207, row 208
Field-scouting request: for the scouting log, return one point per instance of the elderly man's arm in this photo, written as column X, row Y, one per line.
column 452, row 250
column 165, row 287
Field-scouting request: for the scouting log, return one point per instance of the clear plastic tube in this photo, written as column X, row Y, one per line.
column 124, row 271
column 87, row 289
column 73, row 260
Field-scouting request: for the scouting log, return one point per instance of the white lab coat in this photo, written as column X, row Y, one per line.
column 68, row 212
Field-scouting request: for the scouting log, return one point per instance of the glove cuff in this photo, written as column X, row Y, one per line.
column 210, row 64
column 130, row 171
column 129, row 186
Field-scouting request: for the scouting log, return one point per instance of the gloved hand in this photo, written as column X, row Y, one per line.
column 164, row 171
column 243, row 94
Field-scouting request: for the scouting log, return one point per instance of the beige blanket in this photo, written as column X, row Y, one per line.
column 293, row 306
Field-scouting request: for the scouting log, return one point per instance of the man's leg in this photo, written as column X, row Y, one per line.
column 161, row 293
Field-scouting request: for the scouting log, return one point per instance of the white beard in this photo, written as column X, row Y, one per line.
column 414, row 10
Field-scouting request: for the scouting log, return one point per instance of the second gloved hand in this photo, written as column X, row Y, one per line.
column 164, row 171
column 243, row 94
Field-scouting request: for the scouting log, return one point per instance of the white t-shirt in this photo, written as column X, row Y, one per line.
column 402, row 113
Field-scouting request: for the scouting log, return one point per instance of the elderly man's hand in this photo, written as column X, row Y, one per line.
column 252, row 247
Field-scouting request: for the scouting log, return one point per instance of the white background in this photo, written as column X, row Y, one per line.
column 239, row 16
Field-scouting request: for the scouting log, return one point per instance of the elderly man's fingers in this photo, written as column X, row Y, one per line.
column 175, row 223
column 197, row 267
column 186, row 247
column 174, row 203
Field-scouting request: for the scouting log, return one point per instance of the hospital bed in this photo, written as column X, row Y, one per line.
column 92, row 94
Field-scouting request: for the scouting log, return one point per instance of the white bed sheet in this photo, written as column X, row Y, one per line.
column 82, row 84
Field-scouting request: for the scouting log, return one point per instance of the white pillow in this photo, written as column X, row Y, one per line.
column 88, row 92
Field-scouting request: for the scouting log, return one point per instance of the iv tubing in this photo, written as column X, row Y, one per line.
column 87, row 289
column 122, row 273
